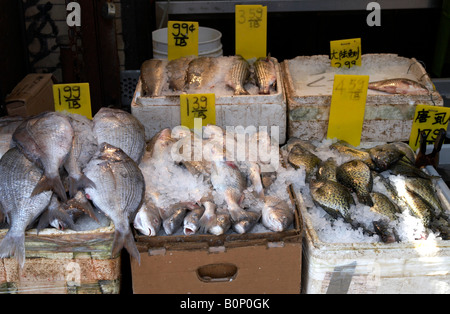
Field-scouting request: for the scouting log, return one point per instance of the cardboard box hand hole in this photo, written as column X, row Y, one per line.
column 220, row 272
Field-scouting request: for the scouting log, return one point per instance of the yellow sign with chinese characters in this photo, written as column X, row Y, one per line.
column 182, row 39
column 73, row 98
column 428, row 119
column 348, row 103
column 251, row 31
column 345, row 53
column 197, row 106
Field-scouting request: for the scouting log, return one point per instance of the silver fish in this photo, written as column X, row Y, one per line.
column 120, row 129
column 153, row 76
column 177, row 72
column 266, row 75
column 56, row 216
column 148, row 219
column 212, row 221
column 160, row 144
column 118, row 193
column 46, row 140
column 201, row 70
column 276, row 214
column 173, row 217
column 191, row 222
column 238, row 75
column 246, row 225
column 399, row 86
column 19, row 177
column 7, row 127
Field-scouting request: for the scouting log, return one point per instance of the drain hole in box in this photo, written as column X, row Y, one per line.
column 217, row 272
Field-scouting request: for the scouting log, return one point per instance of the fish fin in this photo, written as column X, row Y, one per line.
column 365, row 199
column 13, row 245
column 241, row 91
column 76, row 184
column 50, row 183
column 85, row 207
column 125, row 240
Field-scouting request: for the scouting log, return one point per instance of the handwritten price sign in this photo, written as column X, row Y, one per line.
column 348, row 103
column 74, row 98
column 182, row 39
column 345, row 53
column 197, row 106
column 251, row 31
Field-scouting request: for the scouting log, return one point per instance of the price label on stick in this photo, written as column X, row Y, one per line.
column 74, row 98
column 197, row 106
column 348, row 103
column 428, row 119
column 182, row 39
column 345, row 53
column 251, row 31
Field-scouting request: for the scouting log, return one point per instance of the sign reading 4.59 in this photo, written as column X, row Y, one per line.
column 74, row 98
column 182, row 39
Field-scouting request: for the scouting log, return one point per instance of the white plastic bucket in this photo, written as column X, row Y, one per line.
column 209, row 44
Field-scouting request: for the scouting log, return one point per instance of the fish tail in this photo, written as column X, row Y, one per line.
column 206, row 222
column 50, row 183
column 239, row 90
column 13, row 245
column 237, row 214
column 75, row 184
column 125, row 240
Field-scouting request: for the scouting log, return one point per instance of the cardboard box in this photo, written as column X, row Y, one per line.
column 33, row 95
column 231, row 263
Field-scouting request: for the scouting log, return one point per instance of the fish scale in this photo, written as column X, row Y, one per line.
column 239, row 73
column 265, row 74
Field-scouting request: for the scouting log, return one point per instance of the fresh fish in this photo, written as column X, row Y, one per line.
column 276, row 214
column 425, row 190
column 212, row 221
column 390, row 189
column 406, row 169
column 160, row 143
column 153, row 77
column 19, row 177
column 246, row 225
column 300, row 157
column 345, row 149
column 399, row 86
column 418, row 207
column 46, row 140
column 252, row 171
column 118, row 192
column 266, row 75
column 84, row 146
column 293, row 141
column 77, row 206
column 327, row 170
column 407, row 150
column 173, row 216
column 177, row 72
column 120, row 129
column 191, row 222
column 384, row 206
column 56, row 216
column 238, row 75
column 385, row 155
column 8, row 125
column 201, row 70
column 357, row 176
column 148, row 219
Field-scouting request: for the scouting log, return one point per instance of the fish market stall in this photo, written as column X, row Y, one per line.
column 254, row 98
column 388, row 116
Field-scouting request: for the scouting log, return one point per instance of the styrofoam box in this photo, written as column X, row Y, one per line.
column 157, row 113
column 388, row 117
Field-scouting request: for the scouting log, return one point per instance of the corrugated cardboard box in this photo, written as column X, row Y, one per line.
column 33, row 95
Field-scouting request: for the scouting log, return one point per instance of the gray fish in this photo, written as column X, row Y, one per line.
column 357, row 176
column 246, row 225
column 177, row 72
column 300, row 157
column 56, row 216
column 46, row 140
column 266, row 75
column 276, row 214
column 252, row 171
column 212, row 221
column 160, row 143
column 8, row 125
column 418, row 207
column 327, row 170
column 238, row 75
column 191, row 222
column 201, row 70
column 78, row 206
column 19, row 177
column 153, row 76
column 148, row 219
column 399, row 86
column 120, row 129
column 385, row 156
column 118, row 193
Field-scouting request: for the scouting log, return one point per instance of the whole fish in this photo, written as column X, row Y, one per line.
column 8, row 124
column 118, row 192
column 46, row 140
column 148, row 219
column 120, row 129
column 246, row 225
column 406, row 169
column 276, row 214
column 212, row 221
column 266, row 75
column 425, row 190
column 19, row 177
column 159, row 144
column 191, row 222
column 407, row 150
column 300, row 157
column 252, row 171
column 345, row 149
column 384, row 206
column 238, row 75
column 177, row 73
column 173, row 216
column 399, row 86
column 153, row 76
column 385, row 155
column 327, row 170
column 293, row 141
column 357, row 176
column 201, row 70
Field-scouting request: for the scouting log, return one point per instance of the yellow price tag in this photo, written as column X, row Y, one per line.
column 182, row 39
column 345, row 53
column 74, row 98
column 251, row 31
column 429, row 119
column 197, row 106
column 348, row 103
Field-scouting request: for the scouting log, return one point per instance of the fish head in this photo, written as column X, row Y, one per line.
column 146, row 224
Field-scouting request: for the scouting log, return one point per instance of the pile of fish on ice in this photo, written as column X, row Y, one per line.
column 231, row 75
column 55, row 166
column 367, row 194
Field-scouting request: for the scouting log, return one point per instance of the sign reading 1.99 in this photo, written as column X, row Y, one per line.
column 73, row 98
column 182, row 39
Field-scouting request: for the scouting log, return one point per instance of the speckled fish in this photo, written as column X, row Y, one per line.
column 327, row 170
column 191, row 222
column 120, row 129
column 399, row 86
column 425, row 190
column 346, row 149
column 300, row 157
column 118, row 192
column 418, row 207
column 385, row 155
column 266, row 75
column 357, row 176
column 177, row 73
column 406, row 169
column 18, row 179
column 384, row 206
column 238, row 75
column 148, row 219
column 212, row 221
column 46, row 140
column 293, row 141
column 407, row 150
column 153, row 76
column 276, row 214
column 201, row 70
